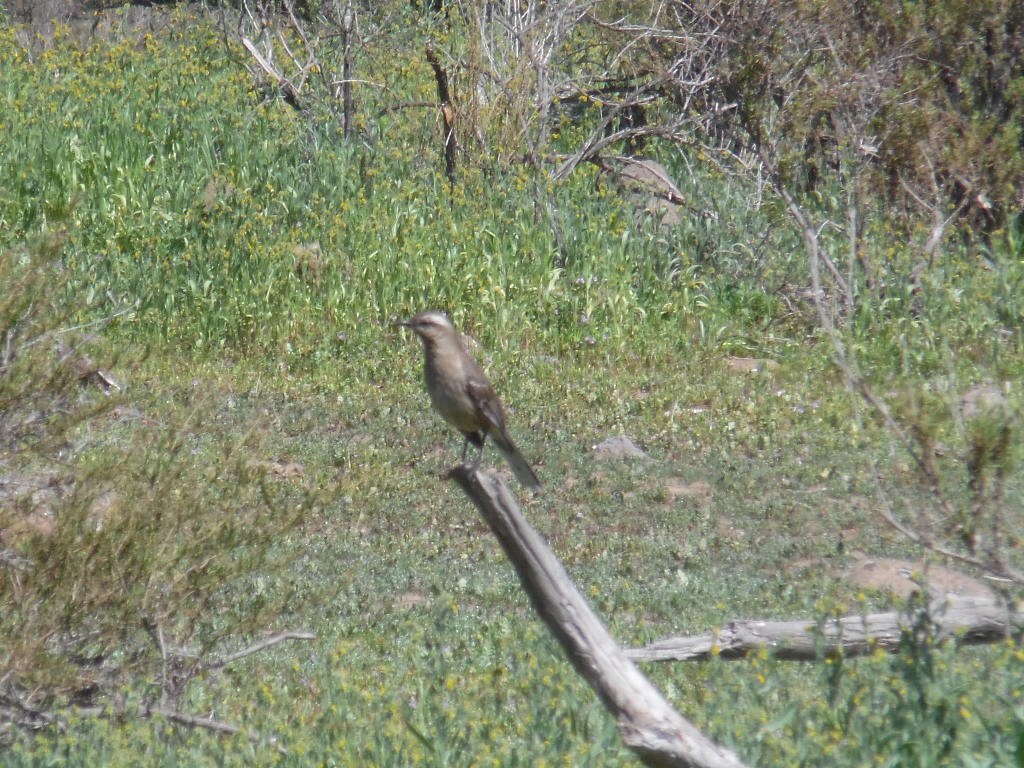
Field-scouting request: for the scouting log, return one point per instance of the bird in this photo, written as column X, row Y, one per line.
column 462, row 394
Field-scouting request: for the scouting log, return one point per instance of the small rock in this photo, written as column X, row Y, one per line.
column 750, row 364
column 619, row 447
column 984, row 400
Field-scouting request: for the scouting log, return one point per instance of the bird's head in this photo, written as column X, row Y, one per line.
column 430, row 326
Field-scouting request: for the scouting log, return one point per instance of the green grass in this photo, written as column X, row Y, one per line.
column 186, row 196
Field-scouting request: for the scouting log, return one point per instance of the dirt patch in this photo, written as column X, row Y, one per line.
column 903, row 578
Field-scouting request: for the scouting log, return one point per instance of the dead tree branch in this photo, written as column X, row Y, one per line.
column 447, row 113
column 970, row 622
column 267, row 642
column 175, row 716
column 16, row 706
column 647, row 722
column 909, row 437
column 288, row 91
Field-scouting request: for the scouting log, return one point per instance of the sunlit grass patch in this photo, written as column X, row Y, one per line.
column 260, row 260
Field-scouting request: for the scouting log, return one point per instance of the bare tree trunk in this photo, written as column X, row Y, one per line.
column 649, row 725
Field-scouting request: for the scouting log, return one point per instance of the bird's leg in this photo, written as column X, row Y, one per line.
column 480, row 452
column 476, row 439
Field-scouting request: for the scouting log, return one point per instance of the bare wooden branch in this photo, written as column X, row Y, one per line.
column 447, row 110
column 274, row 639
column 599, row 140
column 993, row 566
column 57, row 332
column 995, row 563
column 971, row 622
column 348, row 33
column 17, row 710
column 193, row 721
column 647, row 722
column 288, row 90
column 183, row 718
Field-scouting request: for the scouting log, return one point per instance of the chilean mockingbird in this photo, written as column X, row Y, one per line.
column 461, row 393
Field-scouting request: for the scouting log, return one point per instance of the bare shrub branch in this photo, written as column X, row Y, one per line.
column 648, row 723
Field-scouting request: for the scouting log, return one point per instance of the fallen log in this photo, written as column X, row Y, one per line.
column 969, row 621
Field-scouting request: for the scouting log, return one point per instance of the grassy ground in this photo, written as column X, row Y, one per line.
column 261, row 267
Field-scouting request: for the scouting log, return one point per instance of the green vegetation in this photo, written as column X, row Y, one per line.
column 272, row 462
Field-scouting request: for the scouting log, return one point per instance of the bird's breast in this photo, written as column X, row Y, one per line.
column 446, row 386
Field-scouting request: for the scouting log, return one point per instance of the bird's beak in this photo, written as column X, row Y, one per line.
column 403, row 323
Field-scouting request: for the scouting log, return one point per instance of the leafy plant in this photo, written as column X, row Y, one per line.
column 131, row 550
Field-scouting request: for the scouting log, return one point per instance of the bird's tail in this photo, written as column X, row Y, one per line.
column 523, row 471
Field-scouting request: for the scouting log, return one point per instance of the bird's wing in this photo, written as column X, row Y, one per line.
column 486, row 403
column 489, row 411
